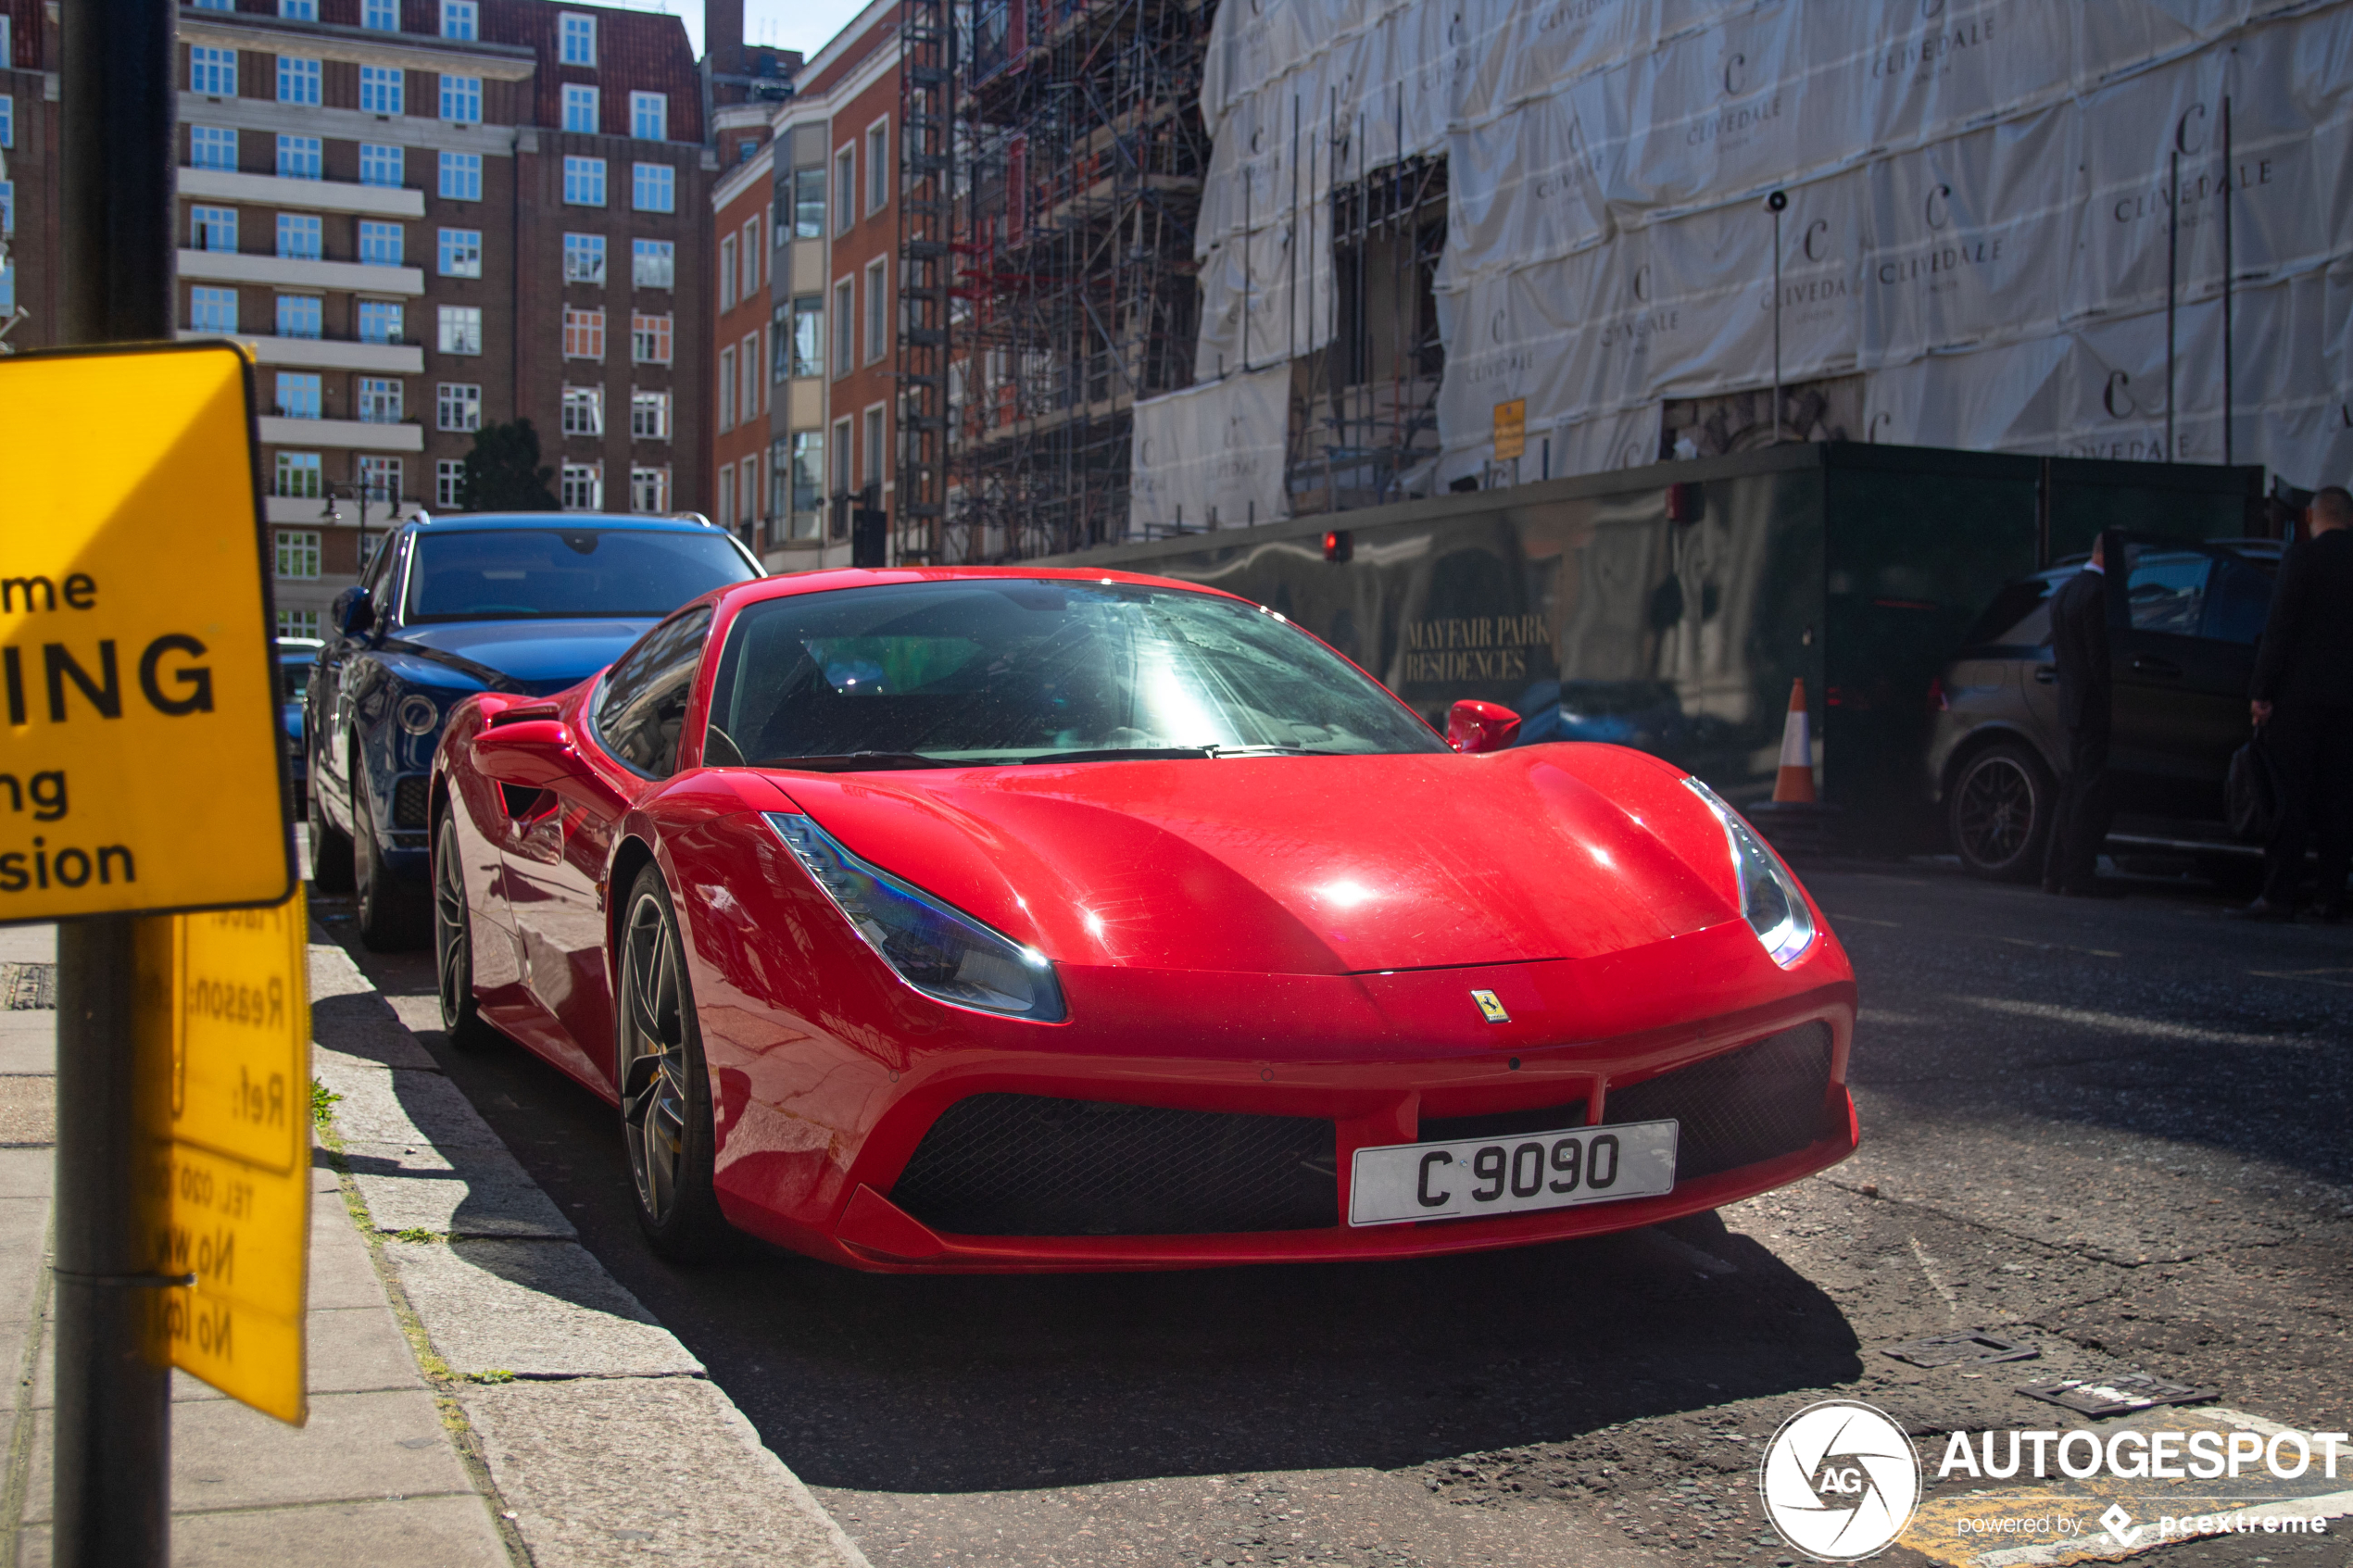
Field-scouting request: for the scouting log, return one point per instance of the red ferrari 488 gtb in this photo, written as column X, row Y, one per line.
column 1003, row 919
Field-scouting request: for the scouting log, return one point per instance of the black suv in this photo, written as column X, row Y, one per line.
column 2184, row 617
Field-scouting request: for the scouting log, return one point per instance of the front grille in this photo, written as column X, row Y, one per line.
column 1502, row 1123
column 1746, row 1105
column 1028, row 1165
column 409, row 802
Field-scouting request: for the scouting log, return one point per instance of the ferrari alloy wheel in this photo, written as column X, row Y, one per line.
column 330, row 846
column 391, row 917
column 2000, row 812
column 453, row 947
column 665, row 1093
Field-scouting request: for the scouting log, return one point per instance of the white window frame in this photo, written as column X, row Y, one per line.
column 462, row 19
column 749, row 380
column 305, row 233
column 206, row 222
column 844, row 187
column 383, row 90
column 874, row 438
column 291, row 73
column 310, row 150
column 212, row 73
column 663, row 256
column 727, row 494
column 583, row 410
column 727, row 272
column 372, row 228
column 845, row 433
column 379, row 400
column 379, row 157
column 650, row 106
column 297, row 552
column 468, row 168
column 201, row 300
column 449, row 473
column 602, row 328
column 457, row 405
column 583, row 258
column 576, row 30
column 580, row 487
column 727, row 388
column 670, row 334
column 297, row 465
column 749, row 254
column 878, row 166
column 658, row 179
column 211, row 139
column 642, row 398
column 464, row 319
column 380, row 15
column 391, row 309
column 461, row 92
column 845, row 327
column 585, row 170
column 875, row 325
column 309, row 408
column 578, row 95
column 465, row 239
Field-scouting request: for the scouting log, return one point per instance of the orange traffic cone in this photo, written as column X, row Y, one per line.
column 1795, row 784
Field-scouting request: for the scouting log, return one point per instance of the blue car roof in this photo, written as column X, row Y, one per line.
column 489, row 523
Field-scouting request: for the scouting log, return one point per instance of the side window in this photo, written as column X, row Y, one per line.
column 2238, row 603
column 643, row 708
column 2166, row 591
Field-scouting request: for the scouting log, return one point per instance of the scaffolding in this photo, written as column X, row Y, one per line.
column 1062, row 288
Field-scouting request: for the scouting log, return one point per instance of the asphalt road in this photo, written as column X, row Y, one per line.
column 2122, row 1130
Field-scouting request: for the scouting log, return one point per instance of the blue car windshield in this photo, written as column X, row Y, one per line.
column 522, row 572
column 992, row 670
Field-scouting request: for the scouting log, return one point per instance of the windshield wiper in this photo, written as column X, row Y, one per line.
column 1275, row 751
column 861, row 761
column 1125, row 754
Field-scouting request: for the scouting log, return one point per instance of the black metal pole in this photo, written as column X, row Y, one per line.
column 2172, row 269
column 2230, row 176
column 113, row 1431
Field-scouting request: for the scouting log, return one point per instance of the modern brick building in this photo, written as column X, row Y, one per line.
column 744, row 201
column 429, row 216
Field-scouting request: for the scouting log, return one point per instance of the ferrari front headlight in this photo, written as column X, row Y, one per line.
column 940, row 951
column 1770, row 900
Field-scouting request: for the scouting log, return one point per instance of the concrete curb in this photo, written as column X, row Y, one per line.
column 598, row 1429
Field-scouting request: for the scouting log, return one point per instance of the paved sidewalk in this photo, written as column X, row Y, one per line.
column 482, row 1391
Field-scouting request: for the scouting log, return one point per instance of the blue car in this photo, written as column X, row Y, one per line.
column 525, row 602
column 295, row 657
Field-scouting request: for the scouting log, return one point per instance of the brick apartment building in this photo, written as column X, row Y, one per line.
column 828, row 200
column 428, row 216
column 744, row 200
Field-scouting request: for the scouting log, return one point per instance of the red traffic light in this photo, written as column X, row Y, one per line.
column 1338, row 544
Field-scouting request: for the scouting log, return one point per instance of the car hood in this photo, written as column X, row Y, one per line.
column 534, row 657
column 1302, row 865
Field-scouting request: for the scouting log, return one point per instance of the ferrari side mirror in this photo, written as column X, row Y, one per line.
column 537, row 753
column 1480, row 726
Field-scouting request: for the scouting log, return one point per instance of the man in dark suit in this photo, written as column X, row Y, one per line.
column 2079, row 645
column 2302, row 696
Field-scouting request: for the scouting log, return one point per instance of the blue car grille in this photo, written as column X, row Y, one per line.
column 409, row 802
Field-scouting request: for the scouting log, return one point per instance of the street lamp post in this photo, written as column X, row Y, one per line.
column 358, row 493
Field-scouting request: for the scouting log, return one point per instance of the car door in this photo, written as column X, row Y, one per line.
column 328, row 723
column 2181, row 694
column 556, row 857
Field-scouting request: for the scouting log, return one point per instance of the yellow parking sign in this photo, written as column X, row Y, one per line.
column 144, row 768
column 231, row 987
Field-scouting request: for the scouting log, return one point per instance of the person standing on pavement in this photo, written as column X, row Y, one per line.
column 2079, row 645
column 2302, row 697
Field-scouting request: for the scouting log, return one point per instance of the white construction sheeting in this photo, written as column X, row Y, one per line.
column 1209, row 457
column 1977, row 220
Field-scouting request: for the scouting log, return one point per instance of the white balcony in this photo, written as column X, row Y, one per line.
column 303, row 195
column 362, row 433
column 279, row 271
column 320, row 354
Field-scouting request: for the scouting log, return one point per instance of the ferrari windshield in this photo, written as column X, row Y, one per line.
column 985, row 671
column 521, row 573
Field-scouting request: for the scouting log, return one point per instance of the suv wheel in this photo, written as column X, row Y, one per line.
column 1999, row 811
column 330, row 867
column 393, row 919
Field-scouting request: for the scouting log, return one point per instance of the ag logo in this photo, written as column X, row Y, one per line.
column 1840, row 1481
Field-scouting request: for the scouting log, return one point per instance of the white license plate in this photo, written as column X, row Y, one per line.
column 1513, row 1175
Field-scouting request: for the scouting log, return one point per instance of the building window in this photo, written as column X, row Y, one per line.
column 877, row 169
column 877, row 312
column 457, row 405
column 297, row 80
column 845, row 189
column 210, row 146
column 380, row 165
column 808, row 204
column 750, row 489
column 652, row 263
column 462, row 253
column 380, row 401
column 727, row 493
column 579, row 39
column 8, row 207
column 457, row 20
column 583, row 258
column 212, row 71
column 297, row 623
column 379, row 321
column 582, row 488
column 460, row 329
column 380, row 479
column 462, row 177
column 650, row 490
column 650, row 116
column 583, row 334
column 584, row 181
column 8, row 120
column 873, row 465
column 841, row 454
column 808, row 469
column 448, row 475
column 380, row 90
column 650, row 415
column 213, row 228
column 845, row 327
column 750, row 259
column 201, row 6
column 727, row 272
column 298, row 157
column 653, row 187
column 298, row 237
column 650, row 339
column 298, row 315
column 380, row 244
column 779, row 473
column 461, row 99
column 298, row 477
column 748, row 378
column 584, row 410
column 299, row 10
column 380, row 15
column 297, row 394
column 298, row 554
column 212, row 310
column 580, row 109
column 745, row 149
column 727, row 389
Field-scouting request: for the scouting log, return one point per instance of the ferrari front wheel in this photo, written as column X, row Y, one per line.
column 666, row 1124
column 453, row 942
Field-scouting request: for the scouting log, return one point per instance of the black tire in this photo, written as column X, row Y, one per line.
column 393, row 919
column 1999, row 812
column 667, row 1130
column 453, row 949
column 330, row 867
